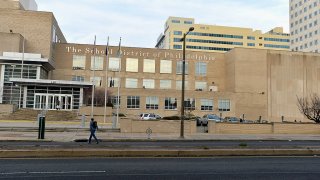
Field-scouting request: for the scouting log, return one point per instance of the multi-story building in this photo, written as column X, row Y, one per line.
column 39, row 70
column 305, row 25
column 213, row 38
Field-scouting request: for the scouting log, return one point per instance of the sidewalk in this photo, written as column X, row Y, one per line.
column 61, row 131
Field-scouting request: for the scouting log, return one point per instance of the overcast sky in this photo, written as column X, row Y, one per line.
column 139, row 22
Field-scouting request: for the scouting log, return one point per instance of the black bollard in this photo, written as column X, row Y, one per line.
column 42, row 126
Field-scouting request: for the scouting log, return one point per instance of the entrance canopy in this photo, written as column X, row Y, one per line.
column 46, row 82
column 50, row 94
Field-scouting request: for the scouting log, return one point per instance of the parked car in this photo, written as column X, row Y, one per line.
column 158, row 116
column 148, row 116
column 209, row 117
column 232, row 119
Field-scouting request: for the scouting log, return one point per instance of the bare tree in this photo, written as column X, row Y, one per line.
column 99, row 94
column 310, row 107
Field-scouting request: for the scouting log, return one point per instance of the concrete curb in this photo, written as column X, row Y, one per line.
column 62, row 153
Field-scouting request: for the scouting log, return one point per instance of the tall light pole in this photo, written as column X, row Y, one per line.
column 183, row 81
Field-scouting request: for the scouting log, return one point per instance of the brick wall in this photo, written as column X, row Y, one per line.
column 157, row 126
column 273, row 128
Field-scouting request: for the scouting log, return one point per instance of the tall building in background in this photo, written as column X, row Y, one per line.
column 304, row 25
column 29, row 5
column 212, row 38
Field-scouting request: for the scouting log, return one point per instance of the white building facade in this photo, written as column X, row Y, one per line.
column 305, row 25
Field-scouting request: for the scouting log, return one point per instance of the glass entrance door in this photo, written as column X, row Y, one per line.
column 53, row 101
column 40, row 101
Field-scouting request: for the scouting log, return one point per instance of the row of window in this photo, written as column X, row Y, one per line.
column 306, row 36
column 277, row 39
column 300, row 21
column 178, row 21
column 305, row 28
column 132, row 65
column 146, row 83
column 303, row 3
column 212, row 41
column 29, row 72
column 305, row 45
column 277, row 46
column 210, row 35
column 171, row 103
column 209, row 48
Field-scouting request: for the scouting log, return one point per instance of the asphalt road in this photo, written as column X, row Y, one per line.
column 163, row 144
column 247, row 168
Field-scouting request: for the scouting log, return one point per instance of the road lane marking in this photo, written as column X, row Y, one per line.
column 57, row 172
column 13, row 173
column 67, row 172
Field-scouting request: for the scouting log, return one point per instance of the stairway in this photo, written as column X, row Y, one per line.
column 30, row 114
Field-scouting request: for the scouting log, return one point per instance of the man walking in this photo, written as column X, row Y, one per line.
column 93, row 128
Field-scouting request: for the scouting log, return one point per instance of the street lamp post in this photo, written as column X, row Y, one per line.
column 183, row 81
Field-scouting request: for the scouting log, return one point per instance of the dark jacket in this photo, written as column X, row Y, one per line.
column 92, row 128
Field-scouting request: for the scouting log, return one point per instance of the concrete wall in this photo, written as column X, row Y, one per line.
column 10, row 42
column 6, row 109
column 10, row 4
column 292, row 75
column 157, row 126
column 273, row 128
column 35, row 26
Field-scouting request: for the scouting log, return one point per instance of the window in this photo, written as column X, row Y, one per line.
column 179, row 67
column 78, row 62
column 254, row 38
column 97, row 63
column 133, row 102
column 201, row 86
column 179, row 85
column 206, row 104
column 170, row 103
column 149, row 66
column 175, row 46
column 148, row 83
column 224, row 105
column 131, row 83
column 132, row 65
column 113, row 82
column 96, row 81
column 177, row 32
column 54, row 39
column 175, row 21
column 115, row 100
column 165, row 84
column 166, row 66
column 187, row 22
column 251, row 44
column 201, row 69
column 78, row 78
column 114, row 64
column 152, row 102
column 190, row 104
